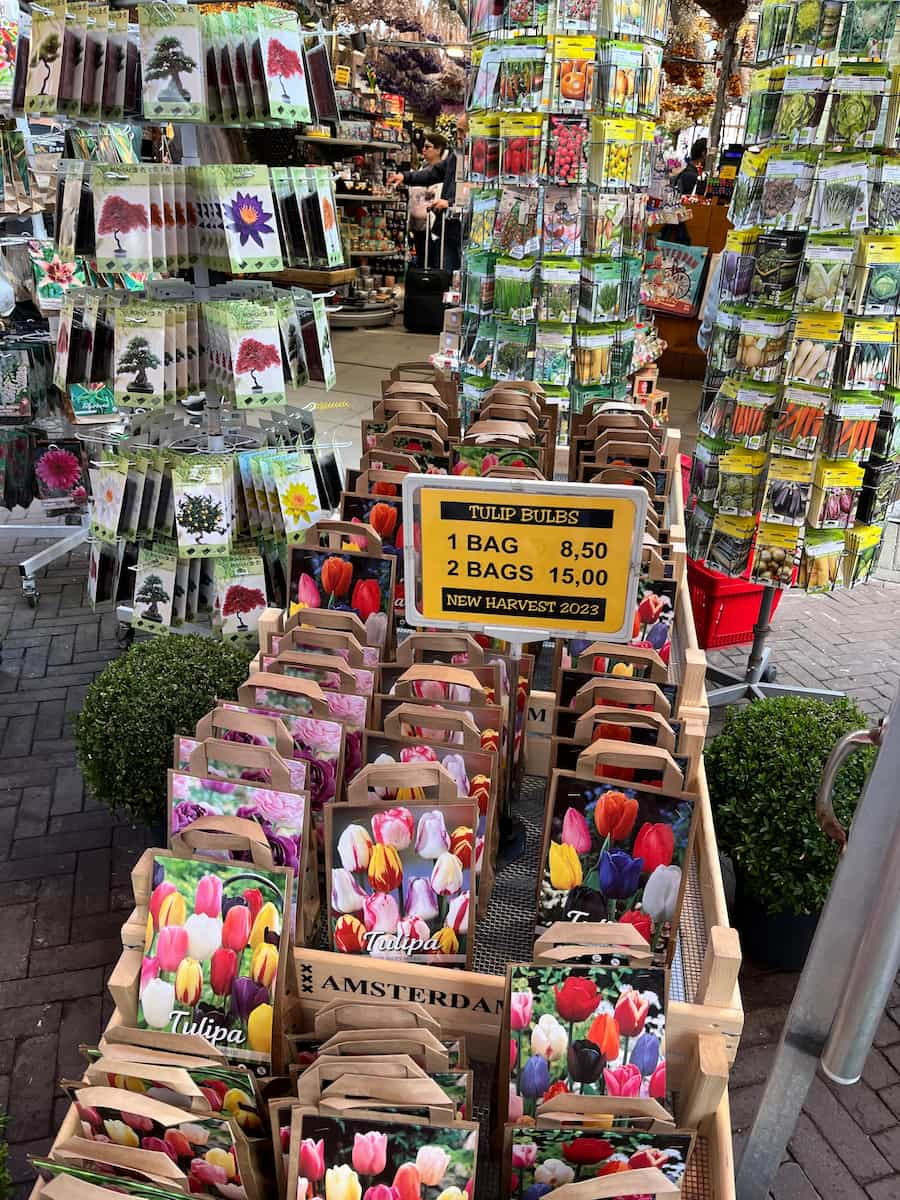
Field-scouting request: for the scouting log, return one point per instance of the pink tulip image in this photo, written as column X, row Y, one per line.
column 346, row 894
column 157, row 896
column 312, row 1159
column 209, row 1173
column 171, row 947
column 516, row 1104
column 208, row 897
column 394, row 827
column 432, row 838
column 149, row 970
column 354, row 848
column 513, row 1053
column 623, row 1081
column 520, row 1006
column 381, row 1191
column 307, row 593
column 658, row 1082
column 380, row 913
column 432, row 1163
column 575, row 832
column 369, row 1152
column 524, row 1155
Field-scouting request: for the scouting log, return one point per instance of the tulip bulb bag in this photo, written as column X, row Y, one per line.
column 359, row 581
column 598, row 1031
column 400, row 879
column 397, row 1153
column 614, row 853
column 215, row 955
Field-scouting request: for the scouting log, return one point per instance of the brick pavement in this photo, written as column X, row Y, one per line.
column 65, row 889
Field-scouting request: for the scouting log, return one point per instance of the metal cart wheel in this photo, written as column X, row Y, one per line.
column 770, row 674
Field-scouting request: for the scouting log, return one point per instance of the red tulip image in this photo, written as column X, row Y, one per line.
column 640, row 921
column 612, row 1168
column 577, row 998
column 631, row 1013
column 555, row 1089
column 383, row 519
column 462, row 841
column 254, row 899
column 649, row 1156
column 407, row 1182
column 366, row 598
column 236, row 928
column 222, row 970
column 349, row 934
column 587, row 1150
column 385, row 489
column 658, row 1082
column 614, row 815
column 655, row 844
column 336, row 576
column 157, row 896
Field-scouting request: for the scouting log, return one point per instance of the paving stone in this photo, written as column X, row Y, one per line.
column 92, row 882
column 15, row 940
column 80, row 1025
column 75, row 957
column 889, row 1145
column 868, row 1109
column 820, row 1163
column 855, row 1148
column 878, row 1071
column 791, row 1184
column 62, row 843
column 66, row 986
column 32, row 1019
column 888, row 1032
column 34, row 810
column 31, row 1090
column 18, row 737
column 883, row 1189
column 54, row 912
column 15, row 893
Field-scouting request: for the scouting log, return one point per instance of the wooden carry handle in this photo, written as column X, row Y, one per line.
column 402, row 775
column 333, row 533
column 420, row 367
column 315, row 662
column 419, row 420
column 223, row 833
column 423, row 717
column 607, row 752
column 239, row 754
column 641, row 1182
column 394, row 460
column 629, row 475
column 367, row 478
column 457, row 643
column 292, row 684
column 332, row 640
column 634, row 718
column 627, row 692
column 427, row 436
column 515, row 473
column 327, row 618
column 635, row 654
column 389, row 406
column 240, row 721
column 429, row 673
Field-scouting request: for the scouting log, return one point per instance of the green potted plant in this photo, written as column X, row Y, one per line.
column 763, row 771
column 136, row 705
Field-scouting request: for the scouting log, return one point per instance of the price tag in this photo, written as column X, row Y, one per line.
column 501, row 556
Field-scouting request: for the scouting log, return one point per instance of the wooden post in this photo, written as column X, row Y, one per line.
column 721, row 964
column 707, row 1081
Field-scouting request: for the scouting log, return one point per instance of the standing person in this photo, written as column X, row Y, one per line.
column 440, row 169
column 684, row 184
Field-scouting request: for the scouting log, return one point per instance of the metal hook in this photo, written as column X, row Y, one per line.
column 825, row 813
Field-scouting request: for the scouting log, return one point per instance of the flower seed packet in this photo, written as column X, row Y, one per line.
column 121, row 194
column 154, row 588
column 613, row 852
column 216, row 954
column 282, row 56
column 44, row 66
column 555, row 1157
column 108, row 493
column 357, row 1152
column 248, row 211
column 298, row 495
column 397, row 887
column 594, row 1030
column 172, row 64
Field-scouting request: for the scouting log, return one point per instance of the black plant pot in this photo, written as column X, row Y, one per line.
column 780, row 940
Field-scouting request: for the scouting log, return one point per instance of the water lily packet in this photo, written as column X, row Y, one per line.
column 248, row 211
column 598, row 1030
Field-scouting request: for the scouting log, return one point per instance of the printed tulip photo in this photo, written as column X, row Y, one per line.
column 481, row 460
column 229, row 1091
column 211, row 955
column 202, row 1146
column 348, row 580
column 400, row 879
column 544, row 1159
column 346, row 1159
column 613, row 853
column 592, row 1031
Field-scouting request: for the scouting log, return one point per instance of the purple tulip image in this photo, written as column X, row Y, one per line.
column 619, row 874
column 535, row 1076
column 247, row 995
column 645, row 1053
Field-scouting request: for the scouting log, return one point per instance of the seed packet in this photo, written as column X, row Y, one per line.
column 774, row 28
column 815, row 27
column 113, row 96
column 558, row 290
column 140, row 333
column 861, row 546
column 484, row 214
column 154, row 588
column 826, row 267
column 835, row 493
column 297, row 493
column 566, row 150
column 603, row 353
column 245, row 198
column 619, row 77
column 609, row 289
column 802, row 99
column 485, row 77
column 868, row 27
column 796, row 429
column 763, row 343
column 94, row 61
column 857, row 92
column 561, row 227
column 573, row 73
column 820, row 564
column 864, row 366
column 786, row 189
column 71, row 71
column 740, row 479
column 514, row 289
column 776, row 551
column 875, row 289
column 484, row 147
column 513, row 354
column 788, row 486
column 255, row 350
column 748, row 421
column 841, row 196
column 850, row 426
column 121, row 196
column 553, row 354
column 240, row 596
column 730, row 543
column 44, row 66
column 522, row 75
column 814, row 349
column 202, row 508
column 515, row 225
column 762, row 108
column 520, row 147
column 107, row 494
column 172, row 61
column 884, row 204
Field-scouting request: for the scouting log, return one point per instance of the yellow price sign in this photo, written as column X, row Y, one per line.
column 555, row 558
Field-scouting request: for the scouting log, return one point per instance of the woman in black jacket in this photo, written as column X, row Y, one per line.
column 440, row 169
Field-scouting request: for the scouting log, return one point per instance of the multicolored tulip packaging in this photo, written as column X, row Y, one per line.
column 799, row 456
column 562, row 103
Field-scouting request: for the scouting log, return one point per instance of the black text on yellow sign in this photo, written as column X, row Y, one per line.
column 535, row 561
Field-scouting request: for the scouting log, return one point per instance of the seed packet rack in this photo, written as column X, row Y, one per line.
column 798, row 459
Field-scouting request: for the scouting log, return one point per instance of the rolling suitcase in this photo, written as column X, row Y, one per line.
column 423, row 304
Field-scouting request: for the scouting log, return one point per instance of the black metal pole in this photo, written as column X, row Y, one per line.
column 761, row 630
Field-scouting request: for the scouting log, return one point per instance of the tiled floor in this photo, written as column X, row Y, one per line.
column 64, row 862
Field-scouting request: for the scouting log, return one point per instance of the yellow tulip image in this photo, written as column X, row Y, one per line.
column 121, row 1134
column 447, row 940
column 342, row 1183
column 173, row 910
column 223, row 1159
column 266, row 919
column 148, row 934
column 264, row 964
column 565, row 867
column 259, row 1029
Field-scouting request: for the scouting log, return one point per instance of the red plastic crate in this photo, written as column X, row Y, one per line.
column 725, row 609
